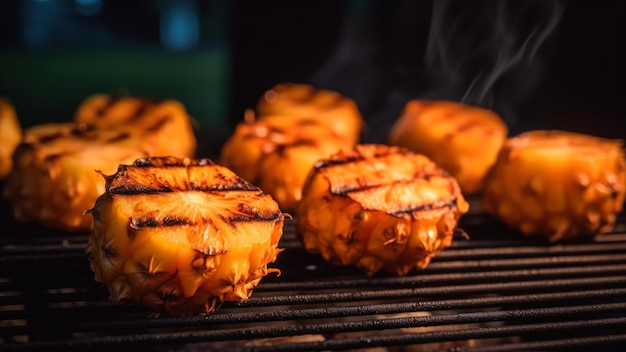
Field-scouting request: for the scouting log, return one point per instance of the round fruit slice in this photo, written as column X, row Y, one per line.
column 182, row 236
column 379, row 208
column 557, row 184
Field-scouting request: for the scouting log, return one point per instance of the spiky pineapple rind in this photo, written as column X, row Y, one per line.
column 351, row 226
column 178, row 245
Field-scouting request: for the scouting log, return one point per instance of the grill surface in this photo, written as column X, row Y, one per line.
column 495, row 291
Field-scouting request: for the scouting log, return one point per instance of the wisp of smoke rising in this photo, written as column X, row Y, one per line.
column 471, row 51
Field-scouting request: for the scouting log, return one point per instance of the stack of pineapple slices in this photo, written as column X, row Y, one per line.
column 296, row 126
column 182, row 236
column 53, row 179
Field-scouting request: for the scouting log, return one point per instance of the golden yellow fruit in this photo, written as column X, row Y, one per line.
column 166, row 123
column 379, row 208
column 462, row 139
column 557, row 184
column 54, row 178
column 54, row 181
column 10, row 136
column 276, row 154
column 304, row 102
column 182, row 236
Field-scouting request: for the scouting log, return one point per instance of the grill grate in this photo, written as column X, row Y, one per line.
column 497, row 291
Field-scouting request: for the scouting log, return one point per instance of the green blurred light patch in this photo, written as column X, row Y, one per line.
column 48, row 86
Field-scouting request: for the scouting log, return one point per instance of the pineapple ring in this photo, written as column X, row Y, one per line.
column 303, row 102
column 10, row 136
column 276, row 154
column 182, row 236
column 557, row 184
column 379, row 208
column 464, row 140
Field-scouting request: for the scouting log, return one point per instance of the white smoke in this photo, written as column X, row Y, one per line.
column 472, row 51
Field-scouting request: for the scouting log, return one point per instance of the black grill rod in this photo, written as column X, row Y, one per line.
column 476, row 334
column 383, row 294
column 556, row 344
column 361, row 310
column 518, row 315
column 426, row 278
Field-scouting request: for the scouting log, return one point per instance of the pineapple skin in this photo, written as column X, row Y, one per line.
column 181, row 236
column 391, row 214
column 10, row 136
column 303, row 102
column 557, row 184
column 276, row 154
column 462, row 139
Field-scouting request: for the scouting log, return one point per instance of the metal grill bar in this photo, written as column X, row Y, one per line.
column 408, row 339
column 378, row 324
column 487, row 288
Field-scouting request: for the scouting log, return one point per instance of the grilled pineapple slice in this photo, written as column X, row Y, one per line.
column 10, row 136
column 462, row 139
column 53, row 180
column 167, row 124
column 276, row 154
column 182, row 236
column 304, row 102
column 379, row 208
column 557, row 184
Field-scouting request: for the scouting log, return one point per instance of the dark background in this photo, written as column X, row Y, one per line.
column 218, row 57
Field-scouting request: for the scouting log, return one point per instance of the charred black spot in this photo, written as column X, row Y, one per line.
column 449, row 203
column 82, row 129
column 175, row 221
column 50, row 137
column 120, row 137
column 142, row 108
column 145, row 222
column 112, row 100
column 159, row 124
column 138, row 189
column 53, row 157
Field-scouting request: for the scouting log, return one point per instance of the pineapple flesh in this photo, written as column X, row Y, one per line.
column 166, row 123
column 10, row 136
column 53, row 180
column 302, row 102
column 379, row 207
column 464, row 140
column 54, row 177
column 181, row 236
column 276, row 154
column 557, row 184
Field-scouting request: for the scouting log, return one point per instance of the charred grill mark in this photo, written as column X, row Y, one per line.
column 143, row 189
column 420, row 175
column 175, row 221
column 142, row 108
column 50, row 137
column 111, row 100
column 151, row 221
column 144, row 222
column 81, row 129
column 246, row 213
column 352, row 158
column 449, row 203
column 120, row 137
column 159, row 124
column 53, row 157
